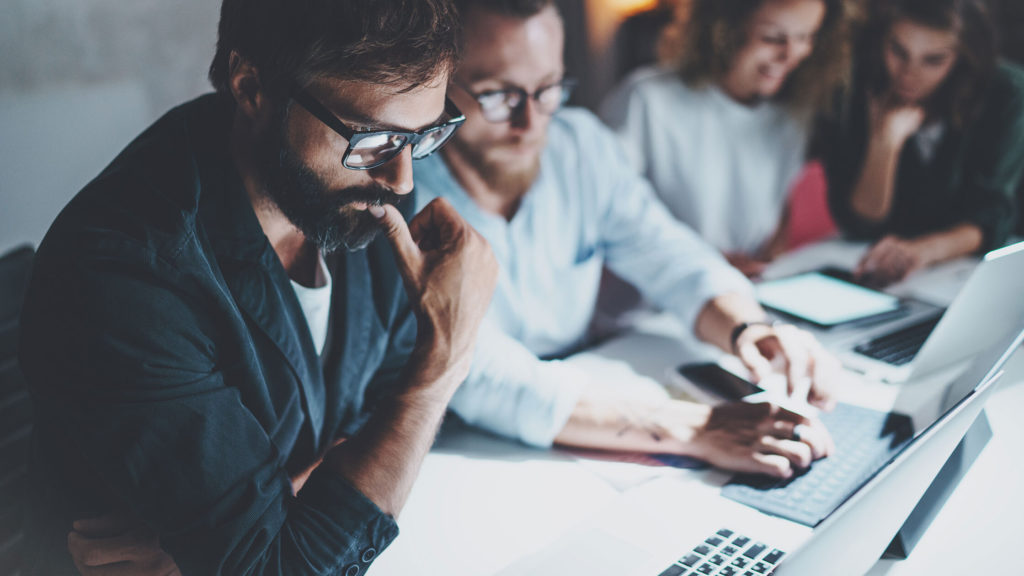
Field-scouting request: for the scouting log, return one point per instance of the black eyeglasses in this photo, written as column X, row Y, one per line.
column 367, row 150
column 502, row 105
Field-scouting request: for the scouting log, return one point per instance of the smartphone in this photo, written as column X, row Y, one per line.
column 714, row 379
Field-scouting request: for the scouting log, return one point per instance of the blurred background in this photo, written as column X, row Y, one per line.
column 80, row 78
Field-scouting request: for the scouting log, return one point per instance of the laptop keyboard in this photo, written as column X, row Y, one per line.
column 865, row 441
column 727, row 553
column 899, row 347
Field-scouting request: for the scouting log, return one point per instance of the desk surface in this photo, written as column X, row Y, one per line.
column 482, row 502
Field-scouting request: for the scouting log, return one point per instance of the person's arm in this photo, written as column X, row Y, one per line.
column 755, row 438
column 152, row 416
column 890, row 127
column 892, row 258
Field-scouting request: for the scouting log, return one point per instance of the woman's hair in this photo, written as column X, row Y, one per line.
column 706, row 35
column 958, row 98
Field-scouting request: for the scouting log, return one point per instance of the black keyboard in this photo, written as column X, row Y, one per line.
column 865, row 441
column 899, row 347
column 726, row 553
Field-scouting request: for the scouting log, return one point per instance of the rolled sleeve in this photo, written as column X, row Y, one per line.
column 513, row 393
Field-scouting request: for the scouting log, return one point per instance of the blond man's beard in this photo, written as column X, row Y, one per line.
column 499, row 177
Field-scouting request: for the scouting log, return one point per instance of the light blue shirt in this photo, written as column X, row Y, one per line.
column 587, row 209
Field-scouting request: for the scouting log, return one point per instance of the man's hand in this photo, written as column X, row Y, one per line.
column 750, row 266
column 891, row 260
column 118, row 545
column 800, row 356
column 450, row 274
column 761, row 439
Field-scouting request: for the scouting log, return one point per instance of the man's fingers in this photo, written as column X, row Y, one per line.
column 132, row 546
column 398, row 234
column 102, row 526
column 754, row 361
column 798, row 453
column 772, row 465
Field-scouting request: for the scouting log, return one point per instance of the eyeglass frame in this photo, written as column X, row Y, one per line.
column 323, row 114
column 567, row 84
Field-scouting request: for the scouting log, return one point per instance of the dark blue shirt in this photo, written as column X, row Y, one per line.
column 174, row 376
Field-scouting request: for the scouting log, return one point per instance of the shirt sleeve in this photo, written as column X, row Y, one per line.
column 138, row 390
column 995, row 165
column 513, row 393
column 664, row 258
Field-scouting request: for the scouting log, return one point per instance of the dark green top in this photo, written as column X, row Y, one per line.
column 173, row 373
column 972, row 177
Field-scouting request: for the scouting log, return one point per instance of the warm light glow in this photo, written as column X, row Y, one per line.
column 628, row 7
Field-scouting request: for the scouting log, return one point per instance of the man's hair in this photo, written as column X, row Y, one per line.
column 517, row 8
column 406, row 43
column 706, row 35
column 961, row 94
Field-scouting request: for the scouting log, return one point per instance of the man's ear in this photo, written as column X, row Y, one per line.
column 246, row 88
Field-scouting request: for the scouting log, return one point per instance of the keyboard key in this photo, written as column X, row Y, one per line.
column 714, row 541
column 740, row 562
column 740, row 541
column 725, row 533
column 773, row 556
column 673, row 570
column 729, row 551
column 717, row 560
column 755, row 550
column 728, row 571
column 689, row 560
column 761, row 568
column 702, row 550
column 706, row 569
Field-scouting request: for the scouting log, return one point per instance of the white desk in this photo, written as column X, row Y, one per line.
column 482, row 502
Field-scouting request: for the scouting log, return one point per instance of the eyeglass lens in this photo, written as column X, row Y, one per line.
column 376, row 149
column 501, row 105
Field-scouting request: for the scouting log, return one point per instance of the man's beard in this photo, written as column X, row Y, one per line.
column 325, row 217
column 510, row 183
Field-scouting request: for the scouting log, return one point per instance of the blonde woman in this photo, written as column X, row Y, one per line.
column 720, row 127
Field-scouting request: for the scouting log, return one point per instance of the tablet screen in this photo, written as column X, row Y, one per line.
column 824, row 300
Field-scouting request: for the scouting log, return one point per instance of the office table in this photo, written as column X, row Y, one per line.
column 482, row 502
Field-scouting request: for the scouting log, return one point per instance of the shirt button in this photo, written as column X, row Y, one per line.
column 369, row 554
column 352, row 570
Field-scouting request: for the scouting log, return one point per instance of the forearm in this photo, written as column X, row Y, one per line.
column 614, row 424
column 960, row 240
column 384, row 458
column 873, row 193
column 722, row 314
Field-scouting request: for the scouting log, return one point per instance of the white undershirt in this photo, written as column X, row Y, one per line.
column 316, row 306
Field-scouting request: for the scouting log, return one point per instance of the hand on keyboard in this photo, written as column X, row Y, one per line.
column 760, row 438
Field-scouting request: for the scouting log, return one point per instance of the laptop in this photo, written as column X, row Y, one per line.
column 930, row 339
column 682, row 526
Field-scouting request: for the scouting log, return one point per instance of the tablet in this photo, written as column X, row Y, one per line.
column 824, row 300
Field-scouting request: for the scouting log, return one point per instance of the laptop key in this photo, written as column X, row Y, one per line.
column 773, row 556
column 755, row 550
column 706, row 569
column 725, row 533
column 717, row 560
column 673, row 570
column 740, row 541
column 761, row 568
column 714, row 541
column 702, row 550
column 729, row 551
column 689, row 560
column 728, row 571
column 740, row 562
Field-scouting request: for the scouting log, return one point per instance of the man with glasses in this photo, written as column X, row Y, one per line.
column 555, row 197
column 227, row 373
